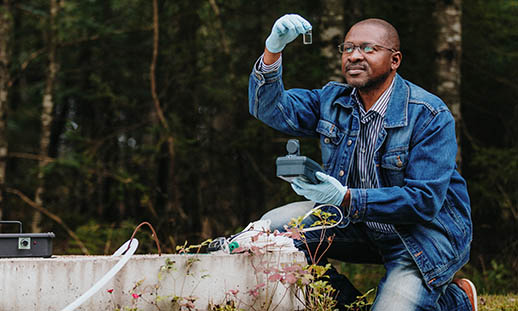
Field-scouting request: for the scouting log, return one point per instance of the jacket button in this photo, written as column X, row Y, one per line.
column 327, row 140
column 349, row 142
column 341, row 173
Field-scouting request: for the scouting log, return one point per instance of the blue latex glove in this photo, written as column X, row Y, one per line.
column 329, row 191
column 285, row 30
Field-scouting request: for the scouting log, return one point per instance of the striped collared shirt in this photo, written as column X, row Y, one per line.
column 363, row 172
column 261, row 66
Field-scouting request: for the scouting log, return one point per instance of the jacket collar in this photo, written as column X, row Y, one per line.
column 397, row 109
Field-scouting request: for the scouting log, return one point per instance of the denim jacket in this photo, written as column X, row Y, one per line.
column 420, row 192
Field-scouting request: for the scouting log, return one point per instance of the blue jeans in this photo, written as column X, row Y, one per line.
column 402, row 287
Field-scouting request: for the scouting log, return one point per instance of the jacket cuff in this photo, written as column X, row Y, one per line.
column 358, row 205
column 268, row 76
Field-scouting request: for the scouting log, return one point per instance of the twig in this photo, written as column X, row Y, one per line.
column 508, row 201
column 35, row 54
column 160, row 112
column 98, row 143
column 257, row 169
column 219, row 27
column 154, row 236
column 322, row 235
column 510, row 83
column 31, row 156
column 329, row 242
column 51, row 215
column 282, row 298
column 152, row 70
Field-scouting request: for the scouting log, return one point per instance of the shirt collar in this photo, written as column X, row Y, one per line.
column 380, row 106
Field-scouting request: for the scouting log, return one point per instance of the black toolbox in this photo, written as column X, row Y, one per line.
column 25, row 244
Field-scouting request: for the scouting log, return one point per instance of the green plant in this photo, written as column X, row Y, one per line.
column 229, row 303
column 151, row 295
column 185, row 248
column 318, row 292
column 308, row 283
column 362, row 303
column 493, row 278
column 507, row 302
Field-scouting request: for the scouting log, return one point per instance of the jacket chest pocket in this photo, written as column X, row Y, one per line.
column 330, row 138
column 393, row 166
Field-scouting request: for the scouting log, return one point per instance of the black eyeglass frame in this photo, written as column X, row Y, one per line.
column 362, row 46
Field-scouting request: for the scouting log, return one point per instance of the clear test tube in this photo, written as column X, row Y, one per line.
column 307, row 37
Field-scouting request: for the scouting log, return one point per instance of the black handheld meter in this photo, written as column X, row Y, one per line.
column 294, row 165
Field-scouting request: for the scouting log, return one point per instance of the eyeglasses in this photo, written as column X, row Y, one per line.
column 365, row 48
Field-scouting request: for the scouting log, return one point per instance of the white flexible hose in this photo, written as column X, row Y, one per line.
column 326, row 226
column 244, row 237
column 89, row 293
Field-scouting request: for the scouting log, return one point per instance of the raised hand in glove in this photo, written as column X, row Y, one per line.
column 285, row 30
column 328, row 191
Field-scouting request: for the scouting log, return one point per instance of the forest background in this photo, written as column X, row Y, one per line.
column 122, row 111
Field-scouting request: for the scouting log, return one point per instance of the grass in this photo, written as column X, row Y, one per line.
column 507, row 302
column 365, row 277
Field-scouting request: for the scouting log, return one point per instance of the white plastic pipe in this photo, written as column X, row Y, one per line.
column 94, row 289
column 327, row 226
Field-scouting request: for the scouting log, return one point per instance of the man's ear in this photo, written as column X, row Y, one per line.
column 396, row 60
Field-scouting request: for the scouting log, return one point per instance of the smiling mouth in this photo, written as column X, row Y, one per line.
column 355, row 69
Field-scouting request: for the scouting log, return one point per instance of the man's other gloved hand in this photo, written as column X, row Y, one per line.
column 285, row 30
column 329, row 191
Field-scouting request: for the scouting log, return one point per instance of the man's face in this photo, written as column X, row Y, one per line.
column 367, row 70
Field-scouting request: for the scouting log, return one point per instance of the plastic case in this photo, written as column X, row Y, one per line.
column 294, row 165
column 25, row 244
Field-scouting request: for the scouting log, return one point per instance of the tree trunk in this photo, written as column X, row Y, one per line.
column 46, row 113
column 173, row 192
column 333, row 31
column 337, row 17
column 449, row 51
column 6, row 23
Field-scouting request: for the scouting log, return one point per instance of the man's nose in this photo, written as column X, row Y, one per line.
column 355, row 55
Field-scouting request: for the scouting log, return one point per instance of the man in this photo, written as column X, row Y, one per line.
column 388, row 150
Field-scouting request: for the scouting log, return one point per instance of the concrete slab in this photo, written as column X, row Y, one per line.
column 53, row 283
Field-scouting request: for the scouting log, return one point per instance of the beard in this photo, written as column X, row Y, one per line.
column 368, row 83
